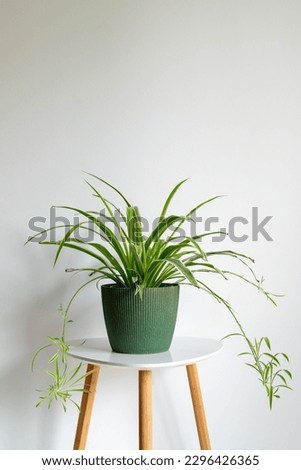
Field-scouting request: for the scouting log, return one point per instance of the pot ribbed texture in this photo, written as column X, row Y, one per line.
column 140, row 325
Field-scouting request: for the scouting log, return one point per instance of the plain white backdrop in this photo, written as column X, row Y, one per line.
column 145, row 93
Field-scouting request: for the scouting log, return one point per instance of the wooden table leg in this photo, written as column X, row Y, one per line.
column 86, row 408
column 198, row 406
column 145, row 409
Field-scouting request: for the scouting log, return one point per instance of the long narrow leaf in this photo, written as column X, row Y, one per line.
column 111, row 186
column 170, row 197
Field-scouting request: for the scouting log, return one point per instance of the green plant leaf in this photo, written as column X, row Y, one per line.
column 183, row 270
column 110, row 186
column 170, row 197
column 267, row 342
column 288, row 373
column 271, row 395
column 161, row 228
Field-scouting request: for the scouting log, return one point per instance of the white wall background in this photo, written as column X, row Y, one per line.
column 145, row 93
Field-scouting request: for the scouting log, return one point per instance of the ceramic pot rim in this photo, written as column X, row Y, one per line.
column 116, row 286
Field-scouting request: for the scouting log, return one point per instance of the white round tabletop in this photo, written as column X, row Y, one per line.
column 183, row 351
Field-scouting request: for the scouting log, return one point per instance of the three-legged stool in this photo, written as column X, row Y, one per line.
column 183, row 352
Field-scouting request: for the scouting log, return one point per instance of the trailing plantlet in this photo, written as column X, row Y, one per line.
column 64, row 382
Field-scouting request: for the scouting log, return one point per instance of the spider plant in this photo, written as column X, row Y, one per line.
column 123, row 254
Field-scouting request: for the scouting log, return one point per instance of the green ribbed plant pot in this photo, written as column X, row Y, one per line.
column 140, row 326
